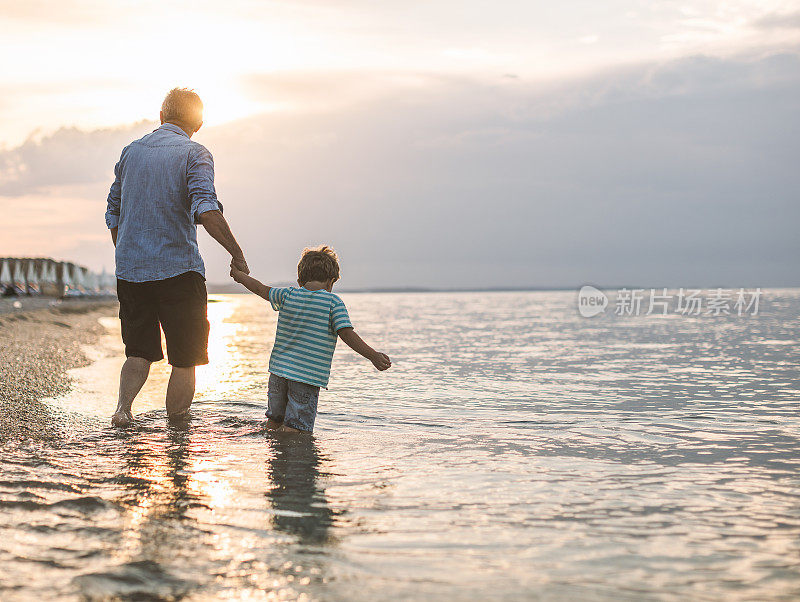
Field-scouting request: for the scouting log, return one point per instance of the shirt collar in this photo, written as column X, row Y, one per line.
column 173, row 128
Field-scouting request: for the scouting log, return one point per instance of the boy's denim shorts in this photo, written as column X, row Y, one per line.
column 291, row 402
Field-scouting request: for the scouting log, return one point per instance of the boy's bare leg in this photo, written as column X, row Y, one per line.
column 180, row 391
column 273, row 424
column 131, row 379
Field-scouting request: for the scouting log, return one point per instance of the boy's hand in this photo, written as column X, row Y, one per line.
column 237, row 275
column 381, row 361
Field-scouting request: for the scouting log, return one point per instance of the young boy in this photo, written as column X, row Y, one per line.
column 310, row 319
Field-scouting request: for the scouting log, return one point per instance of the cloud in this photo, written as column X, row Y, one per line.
column 66, row 156
column 332, row 89
column 673, row 174
column 89, row 12
column 790, row 20
column 43, row 10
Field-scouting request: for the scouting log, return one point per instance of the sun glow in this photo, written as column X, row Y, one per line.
column 223, row 373
column 223, row 102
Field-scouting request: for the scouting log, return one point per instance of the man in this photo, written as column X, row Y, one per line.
column 164, row 187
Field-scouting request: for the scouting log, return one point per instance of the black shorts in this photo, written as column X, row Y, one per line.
column 180, row 305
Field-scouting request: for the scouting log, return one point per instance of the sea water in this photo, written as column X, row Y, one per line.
column 515, row 450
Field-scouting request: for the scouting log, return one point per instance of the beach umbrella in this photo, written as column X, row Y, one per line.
column 32, row 278
column 79, row 277
column 50, row 270
column 18, row 278
column 5, row 276
column 58, row 282
column 106, row 280
column 5, row 273
column 91, row 281
column 41, row 270
column 66, row 276
column 49, row 278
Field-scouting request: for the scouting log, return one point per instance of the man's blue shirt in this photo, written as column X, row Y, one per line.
column 163, row 182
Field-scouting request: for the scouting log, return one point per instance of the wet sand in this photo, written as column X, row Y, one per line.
column 38, row 344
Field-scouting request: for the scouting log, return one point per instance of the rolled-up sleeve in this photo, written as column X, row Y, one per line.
column 114, row 197
column 200, row 182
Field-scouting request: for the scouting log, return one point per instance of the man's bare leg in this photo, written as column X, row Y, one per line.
column 131, row 380
column 180, row 391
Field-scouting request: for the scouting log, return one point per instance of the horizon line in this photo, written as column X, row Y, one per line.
column 501, row 289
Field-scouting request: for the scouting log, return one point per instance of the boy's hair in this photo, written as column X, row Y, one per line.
column 320, row 264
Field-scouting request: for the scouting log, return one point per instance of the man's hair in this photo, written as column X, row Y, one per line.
column 320, row 264
column 184, row 106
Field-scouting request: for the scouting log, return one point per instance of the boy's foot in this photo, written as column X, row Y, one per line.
column 121, row 418
column 273, row 424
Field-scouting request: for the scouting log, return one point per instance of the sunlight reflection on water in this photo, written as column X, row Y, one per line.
column 514, row 450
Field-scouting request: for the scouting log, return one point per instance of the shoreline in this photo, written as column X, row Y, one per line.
column 38, row 345
column 17, row 306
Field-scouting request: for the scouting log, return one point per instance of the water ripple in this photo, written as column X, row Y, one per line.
column 515, row 450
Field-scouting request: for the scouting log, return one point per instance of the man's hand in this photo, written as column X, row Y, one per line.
column 238, row 263
column 237, row 274
column 381, row 361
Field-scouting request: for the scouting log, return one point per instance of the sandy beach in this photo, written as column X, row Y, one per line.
column 39, row 342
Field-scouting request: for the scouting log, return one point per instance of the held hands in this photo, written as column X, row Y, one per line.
column 238, row 263
column 381, row 361
column 237, row 274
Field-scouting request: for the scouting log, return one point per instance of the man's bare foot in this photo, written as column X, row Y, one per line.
column 289, row 429
column 122, row 418
column 179, row 419
column 273, row 424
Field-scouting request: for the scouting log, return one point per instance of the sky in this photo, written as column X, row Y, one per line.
column 438, row 144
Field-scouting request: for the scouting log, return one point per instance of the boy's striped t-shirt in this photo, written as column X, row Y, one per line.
column 306, row 337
